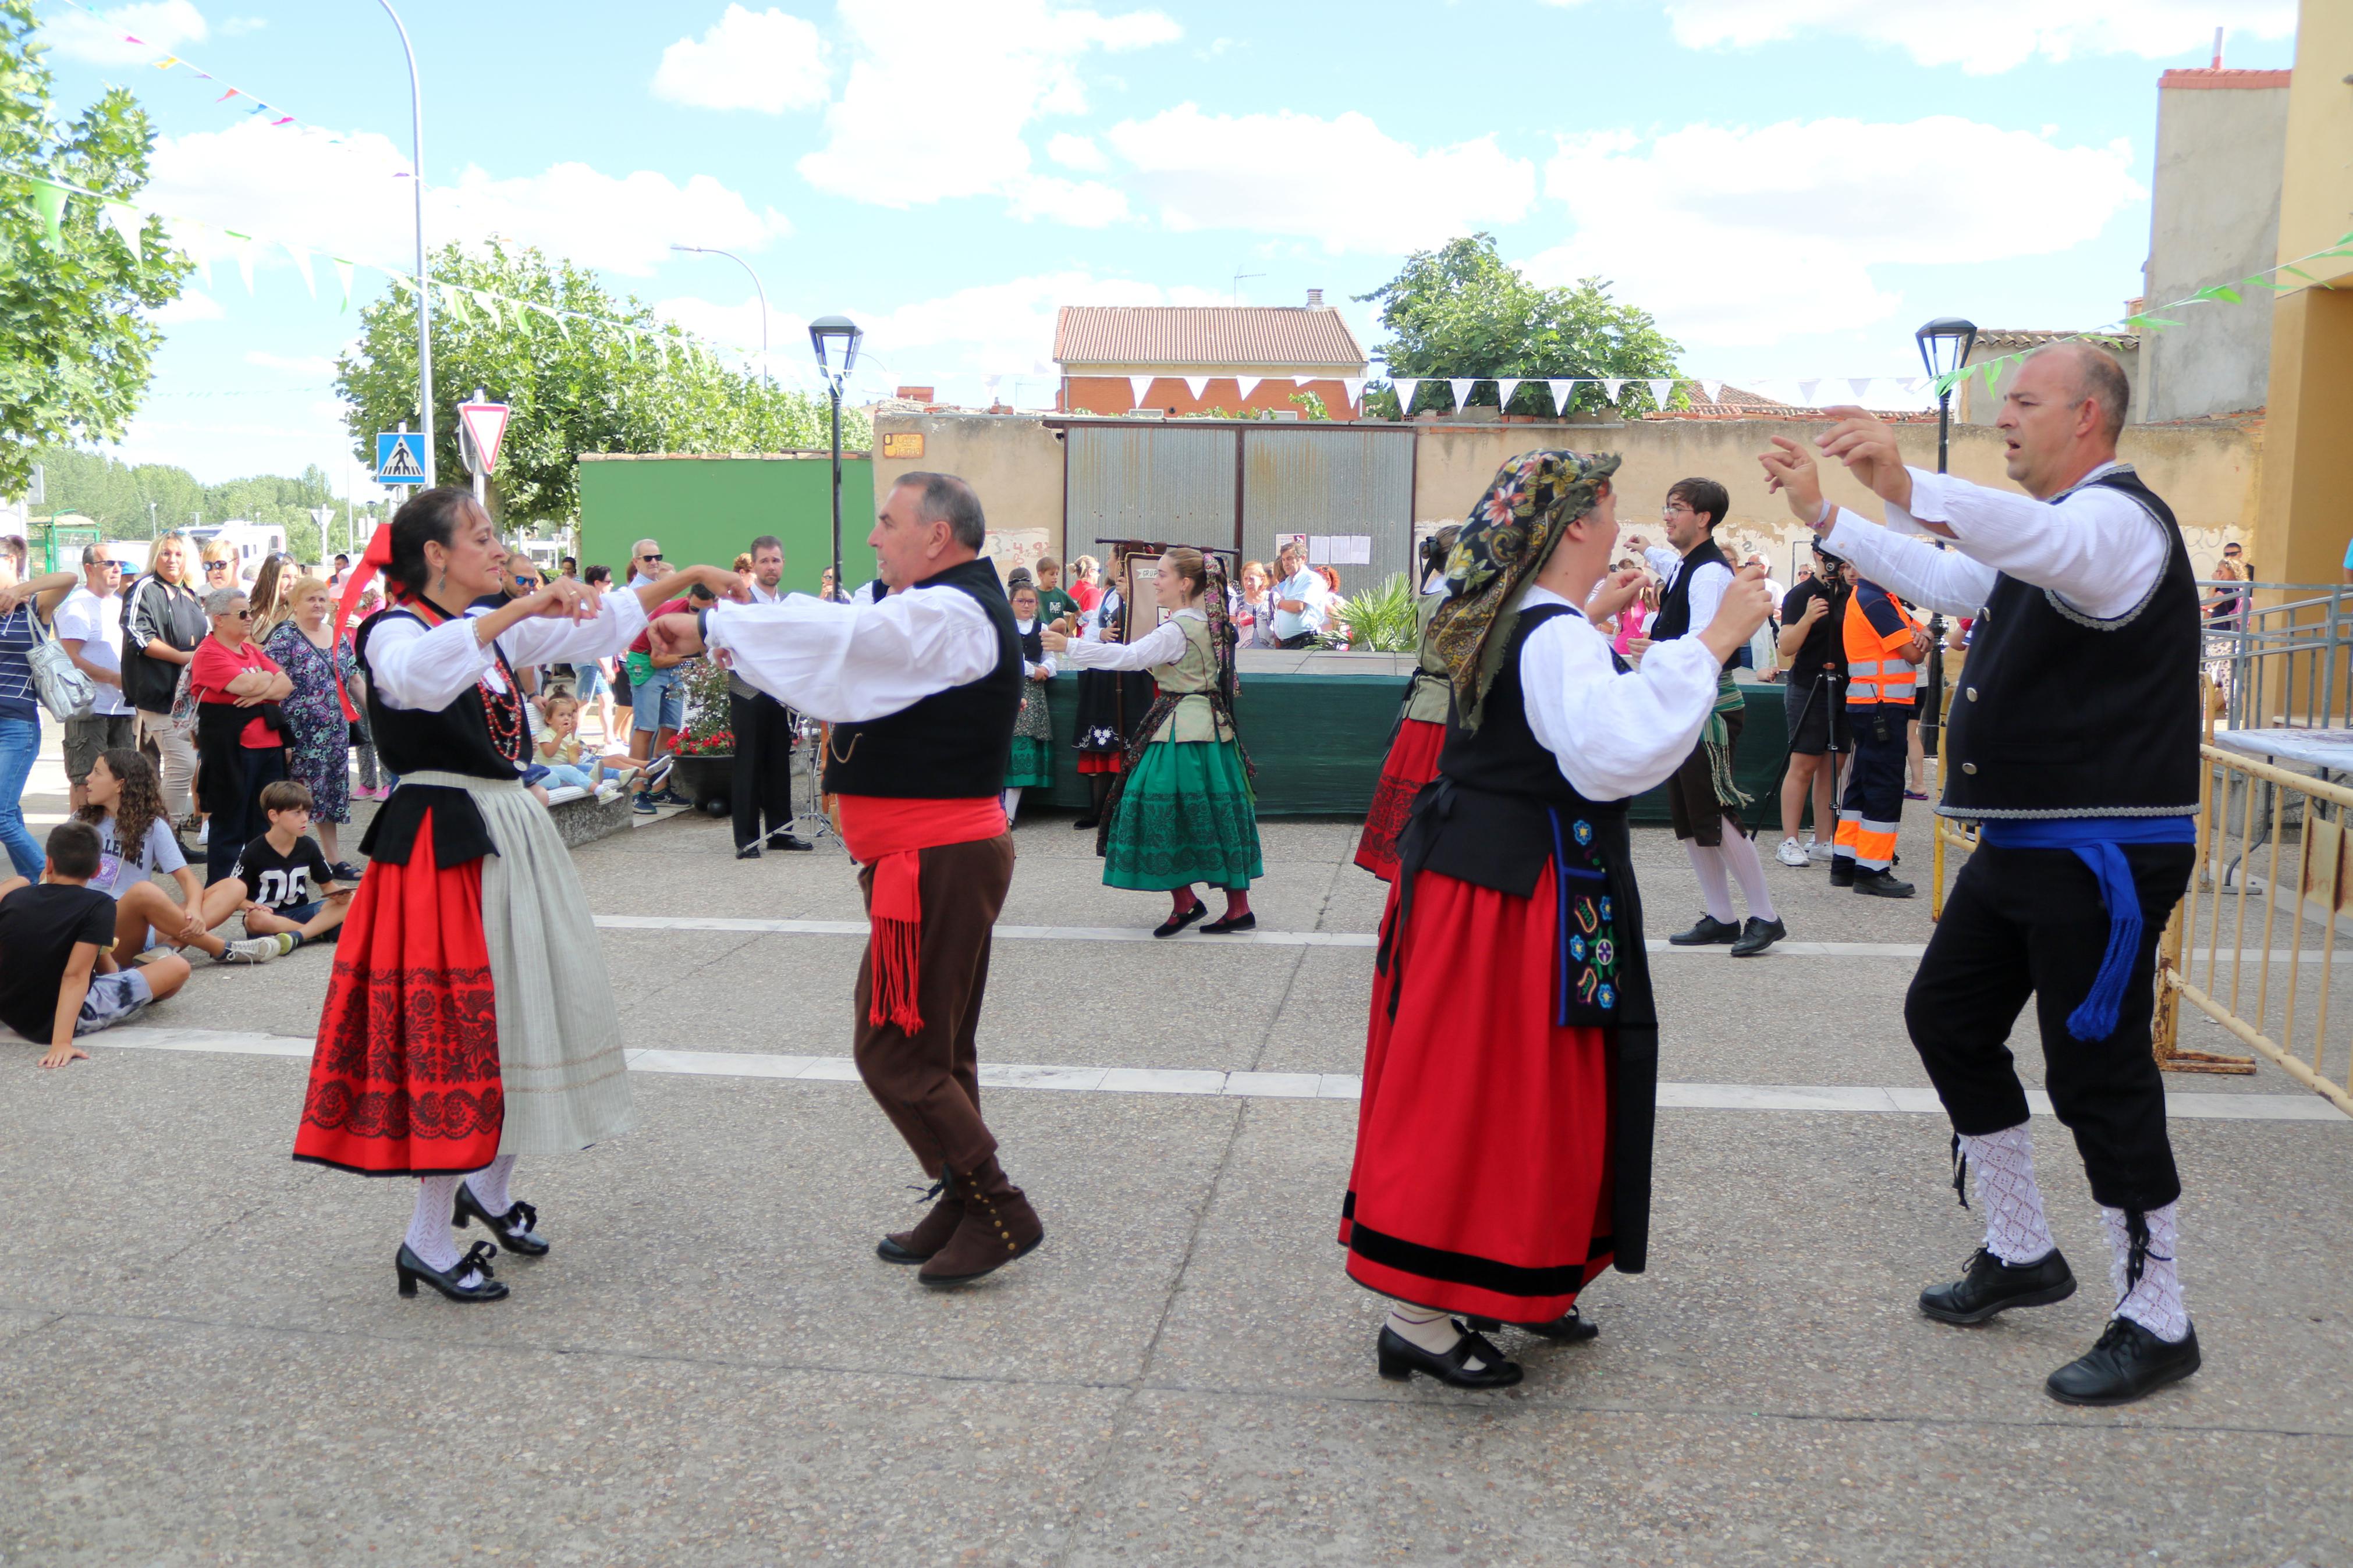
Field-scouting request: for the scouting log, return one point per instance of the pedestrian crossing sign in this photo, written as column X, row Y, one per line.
column 400, row 457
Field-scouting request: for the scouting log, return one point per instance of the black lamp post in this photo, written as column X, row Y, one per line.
column 1945, row 345
column 846, row 335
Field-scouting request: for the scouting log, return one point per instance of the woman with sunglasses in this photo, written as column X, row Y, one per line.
column 241, row 731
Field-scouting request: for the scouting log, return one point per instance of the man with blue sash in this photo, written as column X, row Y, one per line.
column 2074, row 749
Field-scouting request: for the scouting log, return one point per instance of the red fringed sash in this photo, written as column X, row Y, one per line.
column 886, row 835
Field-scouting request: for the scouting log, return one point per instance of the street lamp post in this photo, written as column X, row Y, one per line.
column 763, row 293
column 847, row 334
column 1945, row 345
column 424, row 281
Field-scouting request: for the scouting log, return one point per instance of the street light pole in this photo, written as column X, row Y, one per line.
column 839, row 331
column 424, row 279
column 763, row 293
column 1945, row 345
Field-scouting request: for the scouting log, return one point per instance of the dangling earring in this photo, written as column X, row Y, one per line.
column 442, row 585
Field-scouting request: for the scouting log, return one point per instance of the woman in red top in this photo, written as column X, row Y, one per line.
column 240, row 735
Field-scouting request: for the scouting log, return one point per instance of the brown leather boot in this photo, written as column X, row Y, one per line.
column 999, row 1226
column 931, row 1232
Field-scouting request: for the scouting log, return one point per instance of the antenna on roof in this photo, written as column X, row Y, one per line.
column 2218, row 48
column 1239, row 276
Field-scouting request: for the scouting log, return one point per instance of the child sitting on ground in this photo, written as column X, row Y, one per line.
column 58, row 978
column 568, row 762
column 135, row 841
column 290, row 891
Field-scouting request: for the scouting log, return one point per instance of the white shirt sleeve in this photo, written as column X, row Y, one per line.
column 2099, row 548
column 1946, row 581
column 1707, row 586
column 419, row 669
column 1164, row 644
column 618, row 619
column 1613, row 735
column 1664, row 562
column 845, row 663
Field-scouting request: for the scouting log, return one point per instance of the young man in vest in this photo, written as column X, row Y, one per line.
column 920, row 689
column 1701, row 799
column 1883, row 650
column 2074, row 747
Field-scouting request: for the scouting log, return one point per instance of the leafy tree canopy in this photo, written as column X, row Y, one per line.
column 115, row 496
column 1461, row 310
column 75, row 344
column 574, row 385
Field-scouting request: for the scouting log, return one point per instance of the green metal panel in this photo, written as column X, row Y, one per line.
column 711, row 508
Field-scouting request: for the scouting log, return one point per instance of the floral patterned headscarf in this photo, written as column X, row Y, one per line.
column 1504, row 542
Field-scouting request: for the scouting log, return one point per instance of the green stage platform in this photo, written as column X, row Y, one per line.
column 1318, row 742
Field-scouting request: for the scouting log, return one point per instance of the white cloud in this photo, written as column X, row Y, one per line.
column 317, row 366
column 1341, row 181
column 1988, row 35
column 1082, row 203
column 160, row 27
column 764, row 60
column 193, row 305
column 940, row 91
column 1078, row 152
column 1741, row 237
column 239, row 27
column 341, row 196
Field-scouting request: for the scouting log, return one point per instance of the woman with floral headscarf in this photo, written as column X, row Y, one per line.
column 1503, row 1138
column 1420, row 728
column 1181, row 811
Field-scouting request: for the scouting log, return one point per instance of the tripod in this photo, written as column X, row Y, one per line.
column 814, row 825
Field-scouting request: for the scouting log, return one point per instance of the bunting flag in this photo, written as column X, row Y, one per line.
column 246, row 247
column 1806, row 391
column 50, row 202
column 343, row 271
column 1250, row 384
column 1504, row 390
column 1564, row 393
column 1661, row 392
column 302, row 265
column 1193, row 383
column 1461, row 386
column 1354, row 387
column 490, row 304
column 1611, row 388
column 124, row 221
column 1710, row 388
column 1406, row 385
column 1137, row 386
column 1860, row 385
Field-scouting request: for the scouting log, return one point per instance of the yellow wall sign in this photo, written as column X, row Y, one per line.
column 906, row 444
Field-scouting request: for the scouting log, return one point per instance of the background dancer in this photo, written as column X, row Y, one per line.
column 1031, row 764
column 1181, row 812
column 1702, row 797
column 2075, row 750
column 468, row 1021
column 1111, row 703
column 1503, row 1138
column 1412, row 760
column 920, row 689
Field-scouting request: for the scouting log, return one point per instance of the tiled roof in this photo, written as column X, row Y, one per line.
column 2203, row 78
column 1239, row 335
column 2010, row 340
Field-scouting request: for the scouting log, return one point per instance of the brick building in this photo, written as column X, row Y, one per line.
column 1189, row 359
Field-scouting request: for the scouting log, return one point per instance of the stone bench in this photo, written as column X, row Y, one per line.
column 582, row 818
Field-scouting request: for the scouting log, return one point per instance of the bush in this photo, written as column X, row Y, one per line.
column 1381, row 620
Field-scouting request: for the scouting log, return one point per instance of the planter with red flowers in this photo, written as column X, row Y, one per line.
column 705, row 748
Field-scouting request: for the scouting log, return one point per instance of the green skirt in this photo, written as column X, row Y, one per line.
column 1187, row 815
column 1032, row 765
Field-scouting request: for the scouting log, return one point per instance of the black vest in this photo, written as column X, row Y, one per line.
column 1673, row 619
column 952, row 744
column 2060, row 715
column 452, row 740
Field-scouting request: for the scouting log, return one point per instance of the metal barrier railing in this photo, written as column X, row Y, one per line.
column 2277, row 652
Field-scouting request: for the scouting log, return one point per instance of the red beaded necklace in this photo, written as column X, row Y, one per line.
column 503, row 711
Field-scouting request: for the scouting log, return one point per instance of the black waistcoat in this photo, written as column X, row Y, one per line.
column 451, row 740
column 2060, row 715
column 1673, row 619
column 952, row 744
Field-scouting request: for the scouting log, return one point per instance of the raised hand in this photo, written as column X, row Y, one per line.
column 1867, row 446
column 677, row 635
column 1615, row 592
column 1791, row 469
column 1052, row 640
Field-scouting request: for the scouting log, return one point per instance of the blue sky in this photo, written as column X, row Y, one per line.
column 1789, row 185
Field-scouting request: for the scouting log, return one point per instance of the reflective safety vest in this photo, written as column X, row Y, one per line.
column 1878, row 635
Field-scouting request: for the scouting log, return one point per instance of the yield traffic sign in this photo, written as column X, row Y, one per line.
column 484, row 424
column 400, row 457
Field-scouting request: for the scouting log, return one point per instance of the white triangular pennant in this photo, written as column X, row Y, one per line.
column 1461, row 385
column 1609, row 388
column 343, row 270
column 1354, row 387
column 490, row 304
column 1913, row 382
column 1137, row 386
column 1710, row 388
column 1806, row 391
column 1406, row 385
column 1860, row 385
column 1193, row 383
column 1659, row 392
column 1504, row 390
column 302, row 265
column 1562, row 392
column 1250, row 384
column 124, row 221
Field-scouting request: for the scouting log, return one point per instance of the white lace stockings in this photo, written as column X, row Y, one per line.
column 2016, row 1231
column 2154, row 1299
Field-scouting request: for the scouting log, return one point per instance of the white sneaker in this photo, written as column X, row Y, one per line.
column 255, row 950
column 1821, row 851
column 1793, row 853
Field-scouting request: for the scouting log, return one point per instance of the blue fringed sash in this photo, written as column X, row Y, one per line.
column 2097, row 842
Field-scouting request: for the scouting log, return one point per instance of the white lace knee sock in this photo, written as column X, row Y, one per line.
column 488, row 1184
column 2154, row 1300
column 429, row 1236
column 1715, row 888
column 1740, row 852
column 2016, row 1231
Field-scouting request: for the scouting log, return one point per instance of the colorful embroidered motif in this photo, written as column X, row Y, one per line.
column 1586, row 983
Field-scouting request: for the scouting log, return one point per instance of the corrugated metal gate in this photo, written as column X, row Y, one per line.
column 1240, row 485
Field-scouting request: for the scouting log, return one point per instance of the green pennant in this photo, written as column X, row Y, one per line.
column 50, row 202
column 1990, row 372
column 2144, row 324
column 2222, row 291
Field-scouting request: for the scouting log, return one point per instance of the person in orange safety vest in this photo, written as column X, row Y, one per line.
column 1884, row 646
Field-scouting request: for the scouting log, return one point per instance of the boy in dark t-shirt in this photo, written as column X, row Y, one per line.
column 290, row 891
column 58, row 974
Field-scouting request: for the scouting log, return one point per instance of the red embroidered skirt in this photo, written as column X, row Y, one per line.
column 1412, row 763
column 1103, row 762
column 1483, row 1173
column 405, row 1081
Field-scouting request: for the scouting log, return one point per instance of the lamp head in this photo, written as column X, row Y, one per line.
column 1945, row 344
column 844, row 334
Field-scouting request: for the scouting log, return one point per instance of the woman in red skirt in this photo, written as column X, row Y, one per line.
column 1511, row 1068
column 468, row 1020
column 1422, row 725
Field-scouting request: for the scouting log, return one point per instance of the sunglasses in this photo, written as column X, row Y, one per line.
column 215, row 565
column 655, row 556
column 240, row 615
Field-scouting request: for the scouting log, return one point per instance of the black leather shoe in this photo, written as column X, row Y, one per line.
column 1987, row 1286
column 1841, row 871
column 1881, row 885
column 1757, row 936
column 1176, row 923
column 1568, row 1329
column 1709, row 932
column 1246, row 920
column 2127, row 1362
column 512, row 1229
column 1400, row 1358
column 412, row 1269
column 1084, row 822
column 780, row 839
column 749, row 852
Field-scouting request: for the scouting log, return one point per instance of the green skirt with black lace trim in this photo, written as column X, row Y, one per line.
column 1187, row 815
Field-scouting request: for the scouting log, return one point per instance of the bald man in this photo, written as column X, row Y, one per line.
column 2074, row 748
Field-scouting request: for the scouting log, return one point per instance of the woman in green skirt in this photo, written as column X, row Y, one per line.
column 1182, row 811
column 1032, row 764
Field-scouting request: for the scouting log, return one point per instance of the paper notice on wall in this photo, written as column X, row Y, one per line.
column 1319, row 550
column 1284, row 541
column 1006, row 548
column 1360, row 550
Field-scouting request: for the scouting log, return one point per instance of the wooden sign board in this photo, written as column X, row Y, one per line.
column 905, row 446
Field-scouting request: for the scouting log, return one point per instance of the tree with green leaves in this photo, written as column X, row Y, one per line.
column 1461, row 310
column 582, row 371
column 116, row 495
column 76, row 347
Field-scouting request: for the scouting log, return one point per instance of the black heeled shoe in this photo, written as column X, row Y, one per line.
column 1568, row 1329
column 412, row 1269
column 512, row 1229
column 1246, row 920
column 1400, row 1358
column 1176, row 923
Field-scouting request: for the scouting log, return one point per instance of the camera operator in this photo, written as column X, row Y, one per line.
column 1884, row 646
column 1813, row 695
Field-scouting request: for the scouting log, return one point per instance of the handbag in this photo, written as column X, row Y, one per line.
column 64, row 689
column 184, row 707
